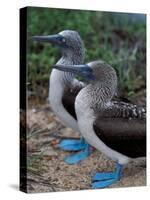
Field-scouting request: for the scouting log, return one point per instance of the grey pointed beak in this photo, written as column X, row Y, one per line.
column 82, row 70
column 54, row 39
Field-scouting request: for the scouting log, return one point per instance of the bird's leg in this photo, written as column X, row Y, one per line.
column 76, row 158
column 73, row 144
column 102, row 180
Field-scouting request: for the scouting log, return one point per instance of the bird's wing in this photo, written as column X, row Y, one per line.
column 123, row 110
column 122, row 127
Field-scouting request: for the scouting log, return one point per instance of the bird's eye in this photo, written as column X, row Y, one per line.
column 63, row 40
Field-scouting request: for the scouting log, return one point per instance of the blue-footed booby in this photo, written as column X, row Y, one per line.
column 115, row 128
column 64, row 87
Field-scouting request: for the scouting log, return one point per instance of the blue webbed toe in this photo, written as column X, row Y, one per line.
column 105, row 179
column 103, row 184
column 72, row 145
column 76, row 158
column 103, row 176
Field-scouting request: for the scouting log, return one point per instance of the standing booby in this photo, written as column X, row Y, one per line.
column 115, row 128
column 64, row 87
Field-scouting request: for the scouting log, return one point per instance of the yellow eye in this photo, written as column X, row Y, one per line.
column 63, row 40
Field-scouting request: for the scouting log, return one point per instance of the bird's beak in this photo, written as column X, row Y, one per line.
column 54, row 39
column 82, row 70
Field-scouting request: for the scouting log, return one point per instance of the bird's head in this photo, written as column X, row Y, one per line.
column 84, row 71
column 67, row 39
column 92, row 72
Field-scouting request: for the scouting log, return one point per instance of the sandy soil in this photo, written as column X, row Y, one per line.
column 47, row 171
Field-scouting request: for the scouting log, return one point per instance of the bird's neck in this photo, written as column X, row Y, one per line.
column 102, row 94
column 74, row 57
column 103, row 90
column 59, row 80
column 68, row 58
column 97, row 95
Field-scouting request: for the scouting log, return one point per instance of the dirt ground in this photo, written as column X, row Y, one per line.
column 47, row 172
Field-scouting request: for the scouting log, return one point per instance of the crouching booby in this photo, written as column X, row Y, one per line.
column 64, row 87
column 115, row 128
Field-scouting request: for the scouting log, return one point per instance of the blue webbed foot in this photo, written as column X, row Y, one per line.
column 103, row 176
column 73, row 145
column 102, row 180
column 103, row 184
column 76, row 158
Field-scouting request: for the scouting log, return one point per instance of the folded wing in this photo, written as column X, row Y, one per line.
column 122, row 127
